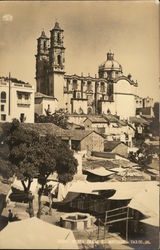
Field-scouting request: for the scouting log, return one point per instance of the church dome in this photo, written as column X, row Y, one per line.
column 110, row 63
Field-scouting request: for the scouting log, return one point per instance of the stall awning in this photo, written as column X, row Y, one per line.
column 147, row 200
column 153, row 221
column 34, row 233
column 101, row 171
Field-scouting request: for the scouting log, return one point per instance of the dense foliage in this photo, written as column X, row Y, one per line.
column 59, row 118
column 143, row 157
column 155, row 125
column 33, row 156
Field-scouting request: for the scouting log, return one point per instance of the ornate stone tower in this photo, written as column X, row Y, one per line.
column 56, row 64
column 42, row 63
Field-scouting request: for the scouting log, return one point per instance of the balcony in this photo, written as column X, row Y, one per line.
column 23, row 102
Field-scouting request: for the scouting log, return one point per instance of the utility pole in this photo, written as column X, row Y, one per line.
column 105, row 222
column 127, row 224
column 9, row 103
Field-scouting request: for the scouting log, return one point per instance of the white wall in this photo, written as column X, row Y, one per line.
column 108, row 105
column 58, row 86
column 124, row 97
column 17, row 107
column 79, row 104
column 44, row 102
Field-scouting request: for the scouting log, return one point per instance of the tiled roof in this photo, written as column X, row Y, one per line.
column 38, row 94
column 138, row 120
column 76, row 135
column 111, row 118
column 52, row 129
column 97, row 119
column 43, row 128
column 110, row 145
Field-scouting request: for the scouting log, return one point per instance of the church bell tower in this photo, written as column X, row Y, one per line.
column 57, row 64
column 42, row 63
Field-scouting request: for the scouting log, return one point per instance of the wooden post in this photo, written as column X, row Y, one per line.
column 98, row 227
column 105, row 222
column 127, row 224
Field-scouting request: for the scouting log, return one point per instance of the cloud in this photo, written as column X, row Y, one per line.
column 7, row 18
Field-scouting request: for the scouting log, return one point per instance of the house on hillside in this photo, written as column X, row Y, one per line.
column 116, row 147
column 111, row 127
column 80, row 140
column 140, row 124
column 96, row 123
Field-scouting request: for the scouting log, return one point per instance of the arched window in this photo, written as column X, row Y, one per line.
column 89, row 111
column 59, row 59
column 89, row 86
column 45, row 45
column 58, row 37
column 3, row 96
column 102, row 87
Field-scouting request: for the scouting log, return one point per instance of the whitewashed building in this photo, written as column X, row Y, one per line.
column 16, row 100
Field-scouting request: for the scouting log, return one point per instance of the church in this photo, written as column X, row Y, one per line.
column 108, row 93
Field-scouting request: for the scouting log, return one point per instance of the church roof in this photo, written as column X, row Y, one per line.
column 43, row 35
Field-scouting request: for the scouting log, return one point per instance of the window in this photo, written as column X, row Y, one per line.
column 22, row 118
column 58, row 37
column 19, row 95
column 59, row 59
column 2, row 107
column 75, row 85
column 68, row 82
column 3, row 97
column 89, row 86
column 102, row 87
column 101, row 130
column 3, row 117
column 45, row 45
column 26, row 96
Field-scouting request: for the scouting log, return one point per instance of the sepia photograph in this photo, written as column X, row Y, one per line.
column 79, row 125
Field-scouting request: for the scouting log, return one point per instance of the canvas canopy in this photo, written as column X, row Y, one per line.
column 147, row 201
column 124, row 190
column 117, row 170
column 100, row 171
column 153, row 221
column 17, row 184
column 34, row 233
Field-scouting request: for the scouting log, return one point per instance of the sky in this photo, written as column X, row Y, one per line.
column 91, row 28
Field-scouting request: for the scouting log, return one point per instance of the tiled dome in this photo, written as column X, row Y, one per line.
column 110, row 63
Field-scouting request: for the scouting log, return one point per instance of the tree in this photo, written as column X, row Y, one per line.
column 59, row 118
column 143, row 157
column 155, row 124
column 22, row 144
column 35, row 156
column 54, row 155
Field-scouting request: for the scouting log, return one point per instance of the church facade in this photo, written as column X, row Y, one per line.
column 110, row 92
